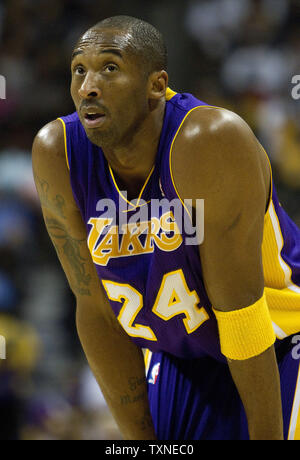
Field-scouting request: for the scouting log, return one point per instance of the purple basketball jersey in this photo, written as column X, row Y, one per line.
column 152, row 277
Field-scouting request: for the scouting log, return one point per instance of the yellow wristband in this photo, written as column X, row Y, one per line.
column 246, row 332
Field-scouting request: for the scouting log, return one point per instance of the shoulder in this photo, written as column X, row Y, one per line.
column 49, row 161
column 216, row 146
column 48, row 149
column 223, row 134
column 51, row 172
column 50, row 138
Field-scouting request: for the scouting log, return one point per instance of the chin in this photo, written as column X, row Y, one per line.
column 94, row 138
column 101, row 138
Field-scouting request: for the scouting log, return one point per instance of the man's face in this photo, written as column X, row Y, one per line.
column 108, row 87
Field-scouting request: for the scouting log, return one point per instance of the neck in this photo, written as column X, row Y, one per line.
column 133, row 161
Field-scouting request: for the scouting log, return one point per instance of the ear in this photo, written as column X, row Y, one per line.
column 158, row 84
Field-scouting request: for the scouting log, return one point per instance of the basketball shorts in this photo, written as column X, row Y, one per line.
column 198, row 400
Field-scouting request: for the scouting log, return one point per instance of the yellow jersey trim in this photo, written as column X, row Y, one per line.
column 147, row 359
column 141, row 192
column 170, row 159
column 282, row 294
column 65, row 141
column 170, row 94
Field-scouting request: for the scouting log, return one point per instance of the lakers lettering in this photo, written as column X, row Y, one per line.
column 135, row 238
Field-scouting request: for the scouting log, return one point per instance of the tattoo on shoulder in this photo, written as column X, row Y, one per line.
column 71, row 249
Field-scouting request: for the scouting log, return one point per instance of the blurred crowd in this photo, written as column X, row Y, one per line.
column 238, row 54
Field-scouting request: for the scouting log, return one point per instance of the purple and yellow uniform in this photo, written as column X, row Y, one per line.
column 154, row 284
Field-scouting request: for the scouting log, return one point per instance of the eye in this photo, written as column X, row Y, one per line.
column 78, row 70
column 110, row 68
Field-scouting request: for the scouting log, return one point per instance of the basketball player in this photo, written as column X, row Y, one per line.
column 217, row 319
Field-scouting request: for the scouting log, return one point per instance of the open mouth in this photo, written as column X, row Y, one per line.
column 93, row 120
column 93, row 116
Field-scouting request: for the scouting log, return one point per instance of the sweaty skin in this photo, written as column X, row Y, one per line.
column 215, row 157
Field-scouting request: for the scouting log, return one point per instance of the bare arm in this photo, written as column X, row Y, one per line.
column 226, row 166
column 115, row 360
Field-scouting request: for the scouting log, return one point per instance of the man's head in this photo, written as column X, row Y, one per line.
column 118, row 76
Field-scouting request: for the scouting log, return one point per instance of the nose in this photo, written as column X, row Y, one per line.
column 89, row 88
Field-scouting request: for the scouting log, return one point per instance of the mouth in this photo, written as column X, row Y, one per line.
column 93, row 119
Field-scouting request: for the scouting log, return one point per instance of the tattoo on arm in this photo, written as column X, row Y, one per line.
column 136, row 392
column 145, row 421
column 71, row 249
column 58, row 203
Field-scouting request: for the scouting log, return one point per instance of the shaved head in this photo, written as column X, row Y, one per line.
column 143, row 40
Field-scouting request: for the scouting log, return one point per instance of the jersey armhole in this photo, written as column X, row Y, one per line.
column 65, row 141
column 170, row 158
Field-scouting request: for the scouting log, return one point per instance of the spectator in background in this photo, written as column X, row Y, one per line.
column 255, row 45
column 22, row 351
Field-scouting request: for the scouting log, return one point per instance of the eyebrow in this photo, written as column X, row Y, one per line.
column 107, row 50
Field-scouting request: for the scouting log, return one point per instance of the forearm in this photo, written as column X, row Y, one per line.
column 258, row 382
column 118, row 367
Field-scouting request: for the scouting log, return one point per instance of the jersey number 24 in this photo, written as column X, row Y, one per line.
column 173, row 298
